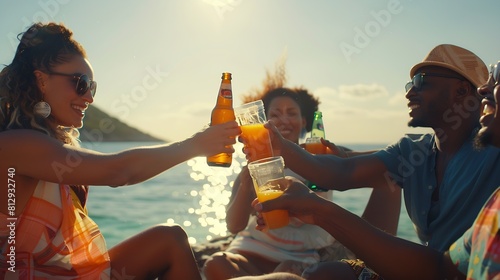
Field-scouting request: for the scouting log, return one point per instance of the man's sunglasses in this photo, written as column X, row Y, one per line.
column 418, row 80
column 82, row 83
column 495, row 73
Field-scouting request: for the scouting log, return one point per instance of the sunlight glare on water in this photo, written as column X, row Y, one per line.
column 215, row 192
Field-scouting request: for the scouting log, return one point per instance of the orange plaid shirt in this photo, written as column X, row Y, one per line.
column 54, row 238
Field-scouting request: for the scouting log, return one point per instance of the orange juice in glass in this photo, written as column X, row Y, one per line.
column 258, row 141
column 276, row 218
column 267, row 175
column 251, row 118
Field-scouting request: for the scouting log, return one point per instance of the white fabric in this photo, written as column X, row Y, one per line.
column 297, row 241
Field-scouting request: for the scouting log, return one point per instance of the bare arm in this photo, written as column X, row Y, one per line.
column 343, row 152
column 392, row 257
column 384, row 206
column 239, row 207
column 329, row 170
column 38, row 156
column 383, row 209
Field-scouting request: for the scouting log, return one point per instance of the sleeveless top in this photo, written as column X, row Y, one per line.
column 53, row 238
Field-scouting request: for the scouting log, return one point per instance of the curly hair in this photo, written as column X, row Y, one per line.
column 41, row 47
column 274, row 86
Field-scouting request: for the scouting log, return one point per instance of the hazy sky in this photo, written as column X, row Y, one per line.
column 158, row 63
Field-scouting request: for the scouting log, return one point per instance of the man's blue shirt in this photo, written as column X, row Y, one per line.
column 471, row 176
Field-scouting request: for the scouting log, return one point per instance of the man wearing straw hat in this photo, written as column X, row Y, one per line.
column 445, row 180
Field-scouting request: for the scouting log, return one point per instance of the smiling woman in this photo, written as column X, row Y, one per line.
column 253, row 252
column 30, row 70
column 44, row 94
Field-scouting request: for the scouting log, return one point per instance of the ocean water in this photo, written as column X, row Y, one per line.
column 193, row 195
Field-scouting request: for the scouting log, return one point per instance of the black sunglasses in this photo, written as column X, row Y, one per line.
column 418, row 80
column 82, row 83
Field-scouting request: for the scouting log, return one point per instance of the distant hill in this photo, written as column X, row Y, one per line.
column 98, row 126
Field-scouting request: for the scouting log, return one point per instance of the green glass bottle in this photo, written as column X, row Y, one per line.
column 318, row 130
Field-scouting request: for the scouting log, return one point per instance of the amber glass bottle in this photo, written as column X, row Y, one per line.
column 223, row 112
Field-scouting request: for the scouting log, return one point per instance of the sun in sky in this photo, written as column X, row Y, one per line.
column 158, row 63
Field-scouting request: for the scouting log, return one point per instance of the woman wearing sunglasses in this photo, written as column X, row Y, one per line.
column 45, row 230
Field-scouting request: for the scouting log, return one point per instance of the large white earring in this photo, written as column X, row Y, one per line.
column 42, row 109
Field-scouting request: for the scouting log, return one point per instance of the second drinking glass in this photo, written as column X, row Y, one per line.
column 251, row 118
column 268, row 175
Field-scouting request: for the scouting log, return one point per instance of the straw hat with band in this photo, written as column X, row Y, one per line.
column 457, row 59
